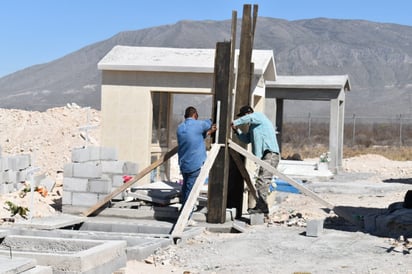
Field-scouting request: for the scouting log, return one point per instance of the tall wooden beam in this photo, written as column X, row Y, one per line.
column 218, row 178
column 279, row 122
column 242, row 97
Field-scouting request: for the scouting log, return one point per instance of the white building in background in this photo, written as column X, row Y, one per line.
column 141, row 87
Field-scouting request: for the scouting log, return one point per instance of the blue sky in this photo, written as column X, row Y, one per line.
column 38, row 31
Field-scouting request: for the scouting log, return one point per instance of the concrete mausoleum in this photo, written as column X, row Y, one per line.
column 138, row 84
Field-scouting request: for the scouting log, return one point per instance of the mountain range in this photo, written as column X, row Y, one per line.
column 376, row 56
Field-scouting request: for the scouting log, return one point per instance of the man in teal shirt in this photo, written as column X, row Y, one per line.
column 262, row 136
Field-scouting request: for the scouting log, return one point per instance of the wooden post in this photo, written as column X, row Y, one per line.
column 242, row 97
column 218, row 178
column 279, row 122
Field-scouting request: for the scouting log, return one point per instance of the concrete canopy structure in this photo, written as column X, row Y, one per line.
column 138, row 84
column 330, row 88
column 137, row 88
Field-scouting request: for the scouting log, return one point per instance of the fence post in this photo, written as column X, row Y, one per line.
column 400, row 130
column 309, row 125
column 353, row 129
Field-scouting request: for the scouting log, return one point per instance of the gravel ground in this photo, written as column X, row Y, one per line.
column 369, row 183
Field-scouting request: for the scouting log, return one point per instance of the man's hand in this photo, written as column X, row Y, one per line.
column 212, row 129
column 233, row 126
column 236, row 130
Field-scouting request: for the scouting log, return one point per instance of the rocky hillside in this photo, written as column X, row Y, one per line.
column 376, row 56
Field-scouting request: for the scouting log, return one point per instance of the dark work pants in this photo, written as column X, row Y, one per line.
column 265, row 179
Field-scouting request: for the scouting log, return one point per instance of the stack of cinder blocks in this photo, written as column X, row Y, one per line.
column 92, row 174
column 13, row 170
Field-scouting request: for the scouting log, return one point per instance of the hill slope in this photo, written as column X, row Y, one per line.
column 377, row 57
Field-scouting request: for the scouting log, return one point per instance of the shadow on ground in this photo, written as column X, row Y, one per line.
column 392, row 222
column 399, row 180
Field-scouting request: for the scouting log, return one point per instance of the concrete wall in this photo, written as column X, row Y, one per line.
column 127, row 108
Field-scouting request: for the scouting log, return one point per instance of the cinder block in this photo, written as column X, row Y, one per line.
column 94, row 153
column 314, row 227
column 4, row 163
column 130, row 168
column 23, row 161
column 75, row 184
column 67, row 198
column 100, row 186
column 87, row 170
column 22, row 175
column 84, row 199
column 117, row 180
column 257, row 219
column 6, row 188
column 10, row 176
column 108, row 154
column 68, row 170
column 80, row 155
column 113, row 167
column 12, row 163
column 231, row 213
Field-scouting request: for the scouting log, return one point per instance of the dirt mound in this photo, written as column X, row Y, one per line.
column 372, row 163
column 47, row 136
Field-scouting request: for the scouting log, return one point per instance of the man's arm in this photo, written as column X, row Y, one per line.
column 244, row 137
column 212, row 129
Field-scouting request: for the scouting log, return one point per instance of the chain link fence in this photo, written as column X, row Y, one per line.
column 358, row 130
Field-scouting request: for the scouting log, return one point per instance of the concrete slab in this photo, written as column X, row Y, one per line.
column 163, row 193
column 68, row 255
column 138, row 246
column 50, row 222
column 15, row 264
column 303, row 170
column 39, row 269
column 143, row 237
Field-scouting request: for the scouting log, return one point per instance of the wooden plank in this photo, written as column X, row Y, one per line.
column 181, row 222
column 340, row 212
column 265, row 165
column 218, row 177
column 136, row 178
column 242, row 97
column 245, row 174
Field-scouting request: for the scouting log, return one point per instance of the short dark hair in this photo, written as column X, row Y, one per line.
column 190, row 111
column 244, row 110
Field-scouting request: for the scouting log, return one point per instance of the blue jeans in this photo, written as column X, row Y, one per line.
column 189, row 180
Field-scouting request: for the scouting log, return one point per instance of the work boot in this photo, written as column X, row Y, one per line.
column 257, row 210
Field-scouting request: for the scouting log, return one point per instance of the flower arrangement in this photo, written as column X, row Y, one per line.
column 324, row 157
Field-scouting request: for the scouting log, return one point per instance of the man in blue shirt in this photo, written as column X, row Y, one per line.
column 191, row 148
column 262, row 136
